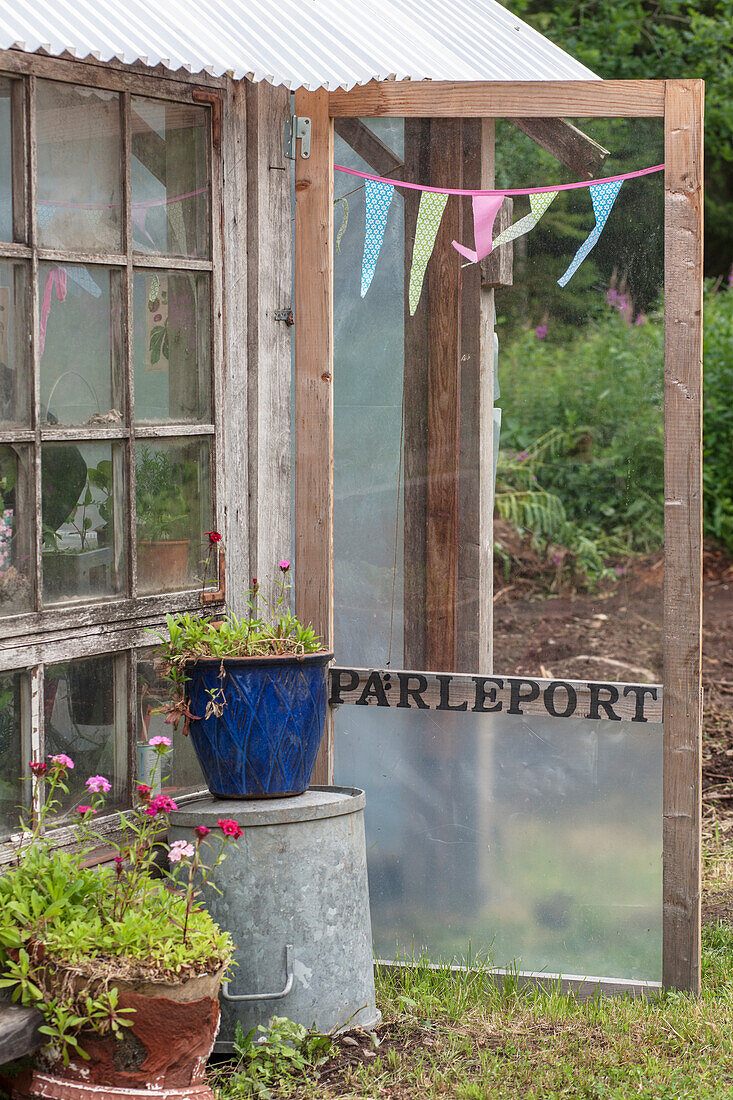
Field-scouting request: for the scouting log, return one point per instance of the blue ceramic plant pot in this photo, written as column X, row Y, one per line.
column 262, row 739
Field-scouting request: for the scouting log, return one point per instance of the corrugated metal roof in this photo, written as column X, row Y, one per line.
column 310, row 43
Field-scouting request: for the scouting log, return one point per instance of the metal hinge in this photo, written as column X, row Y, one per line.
column 285, row 315
column 297, row 128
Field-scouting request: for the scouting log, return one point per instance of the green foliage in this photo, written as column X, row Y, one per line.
column 160, row 501
column 61, row 920
column 661, row 39
column 272, row 1060
column 718, row 416
column 268, row 630
column 582, row 466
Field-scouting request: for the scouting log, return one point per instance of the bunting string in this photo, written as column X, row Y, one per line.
column 379, row 191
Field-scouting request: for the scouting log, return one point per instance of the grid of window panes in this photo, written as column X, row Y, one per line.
column 106, row 418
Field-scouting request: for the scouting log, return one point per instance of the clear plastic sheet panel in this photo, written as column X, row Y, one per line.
column 523, row 840
column 537, row 843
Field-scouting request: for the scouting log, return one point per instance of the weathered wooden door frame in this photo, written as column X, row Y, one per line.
column 680, row 104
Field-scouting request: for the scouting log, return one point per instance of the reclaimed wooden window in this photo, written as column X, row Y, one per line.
column 107, row 419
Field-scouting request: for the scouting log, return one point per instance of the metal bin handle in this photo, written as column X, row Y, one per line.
column 267, row 996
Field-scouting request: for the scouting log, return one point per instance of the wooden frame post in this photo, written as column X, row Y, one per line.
column 683, row 206
column 313, row 391
column 680, row 103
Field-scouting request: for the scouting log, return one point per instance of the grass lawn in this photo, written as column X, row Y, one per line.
column 452, row 1035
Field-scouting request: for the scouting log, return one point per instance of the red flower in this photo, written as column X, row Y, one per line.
column 214, row 536
column 144, row 792
column 201, row 831
column 38, row 767
column 229, row 827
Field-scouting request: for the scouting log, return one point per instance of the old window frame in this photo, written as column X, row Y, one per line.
column 117, row 625
column 680, row 104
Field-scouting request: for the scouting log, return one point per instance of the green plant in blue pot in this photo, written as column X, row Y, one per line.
column 252, row 692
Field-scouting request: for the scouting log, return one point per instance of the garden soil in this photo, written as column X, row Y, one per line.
column 544, row 626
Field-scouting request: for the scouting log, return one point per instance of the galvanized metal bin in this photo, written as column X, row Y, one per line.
column 295, row 899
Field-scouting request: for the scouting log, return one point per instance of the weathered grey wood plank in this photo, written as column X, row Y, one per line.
column 462, row 692
column 232, row 391
column 269, row 234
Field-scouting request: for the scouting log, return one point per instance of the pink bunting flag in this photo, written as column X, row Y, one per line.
column 56, row 276
column 485, row 209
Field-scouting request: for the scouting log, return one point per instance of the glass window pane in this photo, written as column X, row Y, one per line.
column 536, row 841
column 6, row 161
column 173, row 504
column 82, row 488
column 14, row 345
column 79, row 167
column 172, row 346
column 182, row 771
column 86, row 718
column 80, row 343
column 14, row 750
column 16, row 534
column 170, row 178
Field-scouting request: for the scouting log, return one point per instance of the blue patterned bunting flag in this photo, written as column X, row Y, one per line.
column 603, row 196
column 377, row 198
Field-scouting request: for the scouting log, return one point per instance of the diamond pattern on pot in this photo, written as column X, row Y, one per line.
column 266, row 739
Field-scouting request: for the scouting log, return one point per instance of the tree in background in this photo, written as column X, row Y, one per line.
column 661, row 39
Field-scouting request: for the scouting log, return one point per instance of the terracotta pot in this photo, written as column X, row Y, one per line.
column 161, row 1056
column 163, row 564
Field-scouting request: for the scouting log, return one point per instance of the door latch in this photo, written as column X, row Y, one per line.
column 295, row 128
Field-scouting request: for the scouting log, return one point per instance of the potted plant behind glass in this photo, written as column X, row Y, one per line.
column 252, row 691
column 123, row 961
column 163, row 522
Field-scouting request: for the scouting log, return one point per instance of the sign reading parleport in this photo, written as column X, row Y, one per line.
column 496, row 694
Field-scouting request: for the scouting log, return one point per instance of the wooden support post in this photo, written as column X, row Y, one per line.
column 476, row 539
column 380, row 158
column 313, row 421
column 417, row 168
column 683, row 125
column 578, row 152
column 444, row 405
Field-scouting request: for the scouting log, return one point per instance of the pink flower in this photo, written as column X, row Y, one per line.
column 97, row 784
column 162, row 804
column 619, row 571
column 84, row 810
column 178, row 849
column 284, row 565
column 641, row 319
column 61, row 760
column 521, row 456
column 144, row 792
column 541, row 332
column 159, row 740
column 229, row 827
column 201, row 831
column 38, row 767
